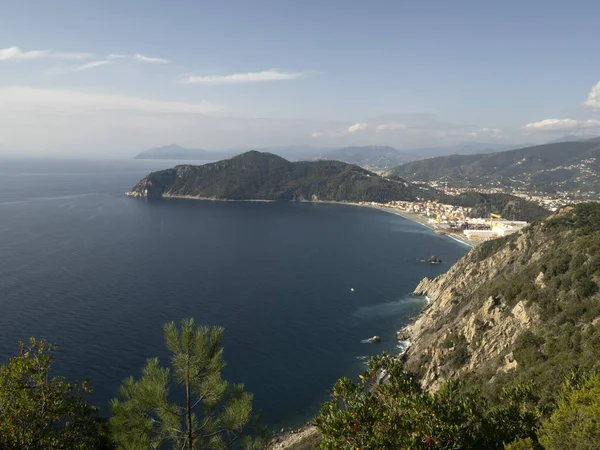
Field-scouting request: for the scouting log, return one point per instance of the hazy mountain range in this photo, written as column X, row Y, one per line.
column 558, row 166
column 371, row 157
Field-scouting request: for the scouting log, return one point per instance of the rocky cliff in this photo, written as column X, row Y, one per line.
column 495, row 312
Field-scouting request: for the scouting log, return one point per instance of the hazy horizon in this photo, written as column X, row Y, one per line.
column 114, row 79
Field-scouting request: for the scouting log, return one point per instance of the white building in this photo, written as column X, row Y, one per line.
column 480, row 234
column 504, row 228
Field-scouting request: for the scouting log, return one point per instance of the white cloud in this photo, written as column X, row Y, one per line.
column 16, row 54
column 48, row 101
column 593, row 98
column 140, row 58
column 149, row 60
column 239, row 78
column 391, row 126
column 486, row 133
column 562, row 125
column 92, row 65
column 357, row 127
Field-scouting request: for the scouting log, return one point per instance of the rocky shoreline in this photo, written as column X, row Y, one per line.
column 303, row 438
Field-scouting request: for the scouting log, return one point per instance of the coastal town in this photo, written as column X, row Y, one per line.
column 452, row 221
column 457, row 221
column 551, row 202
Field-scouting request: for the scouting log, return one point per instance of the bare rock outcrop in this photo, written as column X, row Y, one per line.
column 463, row 328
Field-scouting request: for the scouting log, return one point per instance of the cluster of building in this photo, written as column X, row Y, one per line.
column 551, row 202
column 455, row 220
column 498, row 228
column 439, row 212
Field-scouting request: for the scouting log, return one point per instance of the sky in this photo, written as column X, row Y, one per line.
column 116, row 77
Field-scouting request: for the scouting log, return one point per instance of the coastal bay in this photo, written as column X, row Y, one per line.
column 87, row 268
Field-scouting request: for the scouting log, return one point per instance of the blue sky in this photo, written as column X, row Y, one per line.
column 115, row 76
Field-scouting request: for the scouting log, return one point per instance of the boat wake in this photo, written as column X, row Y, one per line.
column 388, row 309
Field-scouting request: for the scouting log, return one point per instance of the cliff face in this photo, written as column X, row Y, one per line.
column 500, row 290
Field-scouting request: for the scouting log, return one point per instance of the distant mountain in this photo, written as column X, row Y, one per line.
column 567, row 138
column 562, row 166
column 467, row 148
column 265, row 176
column 174, row 151
column 369, row 157
column 574, row 138
column 378, row 158
column 290, row 152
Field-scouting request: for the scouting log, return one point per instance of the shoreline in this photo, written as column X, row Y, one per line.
column 414, row 217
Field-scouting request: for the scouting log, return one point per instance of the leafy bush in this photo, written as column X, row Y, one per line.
column 38, row 411
column 388, row 410
column 575, row 424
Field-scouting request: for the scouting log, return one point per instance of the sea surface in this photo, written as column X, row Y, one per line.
column 296, row 286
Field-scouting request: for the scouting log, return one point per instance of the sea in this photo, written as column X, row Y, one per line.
column 298, row 287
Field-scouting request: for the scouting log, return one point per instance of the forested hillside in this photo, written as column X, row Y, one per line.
column 264, row 176
column 560, row 166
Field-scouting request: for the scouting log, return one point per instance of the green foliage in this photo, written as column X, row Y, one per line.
column 520, row 444
column 488, row 248
column 508, row 206
column 264, row 176
column 583, row 218
column 39, row 412
column 388, row 410
column 565, row 248
column 213, row 413
column 458, row 353
column 575, row 424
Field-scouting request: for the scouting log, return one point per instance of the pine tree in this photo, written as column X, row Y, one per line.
column 211, row 413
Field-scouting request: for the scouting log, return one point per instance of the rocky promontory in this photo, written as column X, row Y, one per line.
column 264, row 176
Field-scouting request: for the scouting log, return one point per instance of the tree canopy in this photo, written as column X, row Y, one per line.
column 187, row 405
column 38, row 411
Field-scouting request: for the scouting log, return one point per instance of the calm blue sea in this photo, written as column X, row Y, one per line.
column 98, row 274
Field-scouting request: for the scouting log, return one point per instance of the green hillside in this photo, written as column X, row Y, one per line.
column 561, row 166
column 264, row 176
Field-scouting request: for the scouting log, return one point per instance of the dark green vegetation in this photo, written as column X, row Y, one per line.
column 398, row 414
column 41, row 412
column 264, row 176
column 566, row 250
column 212, row 414
column 508, row 206
column 561, row 166
column 174, row 151
column 575, row 423
column 389, row 410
